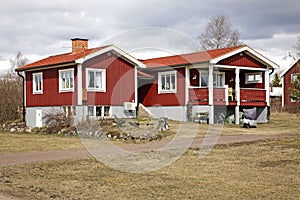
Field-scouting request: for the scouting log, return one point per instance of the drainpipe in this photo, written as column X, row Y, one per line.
column 23, row 104
column 272, row 71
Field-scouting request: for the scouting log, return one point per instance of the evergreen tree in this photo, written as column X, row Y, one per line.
column 295, row 92
column 276, row 81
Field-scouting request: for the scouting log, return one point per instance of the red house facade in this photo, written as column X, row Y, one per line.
column 218, row 82
column 106, row 81
column 287, row 78
column 95, row 82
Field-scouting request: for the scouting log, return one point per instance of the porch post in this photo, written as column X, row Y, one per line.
column 237, row 96
column 211, row 94
column 79, row 84
column 267, row 87
column 135, row 87
column 187, row 84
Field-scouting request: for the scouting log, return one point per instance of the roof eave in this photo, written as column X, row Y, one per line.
column 35, row 68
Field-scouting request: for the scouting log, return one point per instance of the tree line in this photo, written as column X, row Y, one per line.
column 11, row 90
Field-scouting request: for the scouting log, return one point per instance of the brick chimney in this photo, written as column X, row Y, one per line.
column 79, row 44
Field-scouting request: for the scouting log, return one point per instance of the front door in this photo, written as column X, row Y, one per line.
column 38, row 118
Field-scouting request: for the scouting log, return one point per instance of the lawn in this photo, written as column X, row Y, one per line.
column 261, row 170
column 280, row 123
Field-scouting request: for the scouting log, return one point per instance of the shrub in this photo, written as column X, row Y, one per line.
column 57, row 120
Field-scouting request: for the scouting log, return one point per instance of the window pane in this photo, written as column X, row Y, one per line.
column 91, row 79
column 168, row 81
column 98, row 80
column 219, row 80
column 91, row 110
column 257, row 77
column 173, row 82
column 99, row 111
column 163, row 82
column 204, row 80
column 250, row 77
column 106, row 110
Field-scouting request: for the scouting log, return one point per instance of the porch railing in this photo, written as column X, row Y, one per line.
column 248, row 96
column 255, row 97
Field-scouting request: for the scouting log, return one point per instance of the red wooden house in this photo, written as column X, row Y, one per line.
column 287, row 78
column 96, row 82
column 218, row 82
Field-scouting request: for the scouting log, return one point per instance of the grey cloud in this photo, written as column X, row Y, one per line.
column 45, row 27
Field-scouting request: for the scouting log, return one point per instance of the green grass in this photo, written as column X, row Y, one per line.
column 258, row 170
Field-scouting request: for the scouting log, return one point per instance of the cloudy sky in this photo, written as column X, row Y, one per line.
column 42, row 28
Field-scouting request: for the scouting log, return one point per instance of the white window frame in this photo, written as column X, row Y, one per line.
column 214, row 80
column 103, row 80
column 255, row 79
column 61, row 89
column 160, row 85
column 34, row 90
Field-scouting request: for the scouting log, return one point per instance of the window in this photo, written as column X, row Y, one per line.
column 98, row 111
column 255, row 77
column 218, row 79
column 37, row 83
column 101, row 111
column 95, row 80
column 167, row 82
column 106, row 111
column 91, row 110
column 204, row 79
column 294, row 77
column 69, row 110
column 66, row 80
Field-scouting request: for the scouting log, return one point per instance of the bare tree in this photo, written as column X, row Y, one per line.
column 16, row 62
column 219, row 34
column 297, row 47
column 11, row 90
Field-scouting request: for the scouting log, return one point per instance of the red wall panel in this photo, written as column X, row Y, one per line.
column 242, row 60
column 120, row 84
column 51, row 95
column 148, row 92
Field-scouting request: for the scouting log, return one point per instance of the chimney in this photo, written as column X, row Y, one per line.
column 79, row 44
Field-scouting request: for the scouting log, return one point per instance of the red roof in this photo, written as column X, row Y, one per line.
column 60, row 59
column 198, row 57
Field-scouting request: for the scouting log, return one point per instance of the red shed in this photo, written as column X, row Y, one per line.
column 287, row 77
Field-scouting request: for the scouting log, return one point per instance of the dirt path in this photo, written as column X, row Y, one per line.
column 20, row 158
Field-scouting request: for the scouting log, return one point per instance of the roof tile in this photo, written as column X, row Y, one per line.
column 197, row 57
column 60, row 59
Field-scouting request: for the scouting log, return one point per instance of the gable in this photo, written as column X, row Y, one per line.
column 293, row 67
column 242, row 59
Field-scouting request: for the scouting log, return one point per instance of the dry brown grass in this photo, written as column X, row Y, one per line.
column 261, row 170
column 280, row 123
column 24, row 142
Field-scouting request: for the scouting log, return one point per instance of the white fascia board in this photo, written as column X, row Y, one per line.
column 116, row 50
column 288, row 68
column 251, row 51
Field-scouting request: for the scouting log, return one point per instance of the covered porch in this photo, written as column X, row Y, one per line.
column 219, row 85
